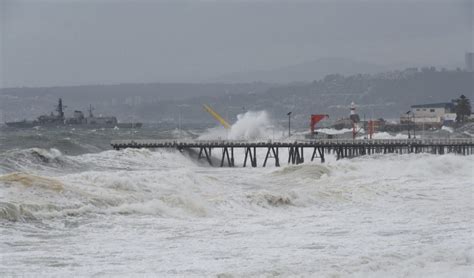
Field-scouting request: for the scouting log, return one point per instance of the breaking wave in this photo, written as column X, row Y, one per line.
column 45, row 184
column 251, row 125
column 36, row 159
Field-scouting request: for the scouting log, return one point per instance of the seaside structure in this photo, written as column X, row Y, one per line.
column 296, row 149
column 432, row 114
column 349, row 122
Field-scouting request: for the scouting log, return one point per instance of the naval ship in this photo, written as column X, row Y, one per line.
column 78, row 120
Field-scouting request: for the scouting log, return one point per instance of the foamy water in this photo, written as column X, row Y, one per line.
column 252, row 125
column 162, row 213
column 142, row 212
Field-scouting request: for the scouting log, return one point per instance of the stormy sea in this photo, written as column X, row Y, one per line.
column 72, row 206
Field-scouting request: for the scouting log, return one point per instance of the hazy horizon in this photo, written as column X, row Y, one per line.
column 52, row 43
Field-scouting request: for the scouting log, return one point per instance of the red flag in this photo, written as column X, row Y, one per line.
column 316, row 119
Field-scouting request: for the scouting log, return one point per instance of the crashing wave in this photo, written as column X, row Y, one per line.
column 36, row 159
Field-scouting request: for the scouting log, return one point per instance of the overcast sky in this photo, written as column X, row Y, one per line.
column 46, row 43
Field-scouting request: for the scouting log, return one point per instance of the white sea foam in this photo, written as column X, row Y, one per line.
column 160, row 213
column 385, row 135
column 447, row 128
column 334, row 131
column 251, row 125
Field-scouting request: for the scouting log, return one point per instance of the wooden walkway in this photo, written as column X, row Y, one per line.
column 341, row 148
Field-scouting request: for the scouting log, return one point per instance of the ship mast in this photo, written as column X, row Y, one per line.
column 60, row 109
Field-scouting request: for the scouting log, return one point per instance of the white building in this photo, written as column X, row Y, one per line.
column 434, row 113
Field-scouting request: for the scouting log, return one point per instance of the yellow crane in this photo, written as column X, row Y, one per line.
column 216, row 116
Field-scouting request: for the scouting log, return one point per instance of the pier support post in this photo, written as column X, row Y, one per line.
column 291, row 155
column 200, row 153
column 301, row 156
column 203, row 150
column 253, row 157
column 295, row 155
column 320, row 150
column 340, row 152
column 314, row 154
column 232, row 156
column 225, row 154
column 275, row 155
column 254, row 163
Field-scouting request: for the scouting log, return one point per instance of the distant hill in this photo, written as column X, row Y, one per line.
column 387, row 95
column 153, row 102
column 309, row 71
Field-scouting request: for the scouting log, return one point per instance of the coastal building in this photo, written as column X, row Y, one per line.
column 431, row 114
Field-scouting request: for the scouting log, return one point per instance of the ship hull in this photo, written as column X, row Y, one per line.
column 78, row 120
column 89, row 126
column 129, row 125
column 20, row 124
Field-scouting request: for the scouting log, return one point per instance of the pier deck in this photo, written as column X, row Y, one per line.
column 341, row 148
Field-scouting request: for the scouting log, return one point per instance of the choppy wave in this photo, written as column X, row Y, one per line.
column 169, row 184
column 68, row 142
column 390, row 211
column 36, row 160
column 170, row 213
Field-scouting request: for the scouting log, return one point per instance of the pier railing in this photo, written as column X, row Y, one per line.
column 342, row 148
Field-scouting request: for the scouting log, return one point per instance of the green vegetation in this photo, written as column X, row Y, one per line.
column 463, row 109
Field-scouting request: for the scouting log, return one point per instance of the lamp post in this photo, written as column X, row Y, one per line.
column 414, row 125
column 289, row 124
column 180, row 106
column 408, row 126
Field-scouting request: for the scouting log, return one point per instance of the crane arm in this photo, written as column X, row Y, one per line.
column 216, row 116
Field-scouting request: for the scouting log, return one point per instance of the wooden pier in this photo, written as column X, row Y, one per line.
column 340, row 148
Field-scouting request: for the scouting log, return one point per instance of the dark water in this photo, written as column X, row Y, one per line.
column 76, row 141
column 52, row 149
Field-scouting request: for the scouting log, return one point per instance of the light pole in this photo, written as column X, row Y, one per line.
column 227, row 112
column 408, row 125
column 180, row 117
column 289, row 124
column 414, row 124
